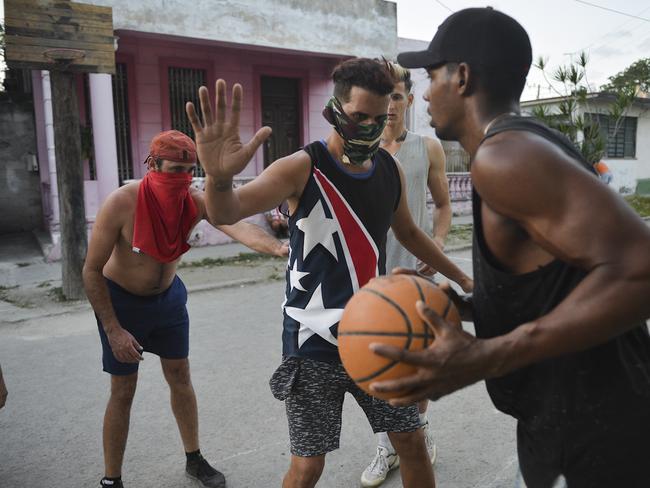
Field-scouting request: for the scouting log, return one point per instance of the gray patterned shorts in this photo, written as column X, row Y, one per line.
column 313, row 394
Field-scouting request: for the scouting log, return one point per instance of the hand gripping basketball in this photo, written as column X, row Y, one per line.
column 455, row 359
column 218, row 144
column 384, row 310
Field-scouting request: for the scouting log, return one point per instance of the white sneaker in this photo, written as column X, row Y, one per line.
column 381, row 465
column 428, row 439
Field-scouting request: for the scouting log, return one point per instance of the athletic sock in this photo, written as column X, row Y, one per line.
column 384, row 441
column 193, row 456
column 106, row 481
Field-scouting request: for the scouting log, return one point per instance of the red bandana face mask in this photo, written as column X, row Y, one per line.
column 164, row 215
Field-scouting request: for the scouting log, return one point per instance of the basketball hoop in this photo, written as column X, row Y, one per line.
column 64, row 56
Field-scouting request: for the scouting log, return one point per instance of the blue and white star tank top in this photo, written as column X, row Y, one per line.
column 337, row 238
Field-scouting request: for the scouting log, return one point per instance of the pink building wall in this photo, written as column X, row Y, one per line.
column 148, row 58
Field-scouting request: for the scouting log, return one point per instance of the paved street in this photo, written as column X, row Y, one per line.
column 50, row 430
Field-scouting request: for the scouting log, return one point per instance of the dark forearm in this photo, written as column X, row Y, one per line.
column 99, row 298
column 607, row 303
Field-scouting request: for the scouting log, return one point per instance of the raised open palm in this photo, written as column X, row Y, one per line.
column 218, row 144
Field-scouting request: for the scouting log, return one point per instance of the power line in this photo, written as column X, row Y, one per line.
column 612, row 10
column 440, row 3
column 600, row 41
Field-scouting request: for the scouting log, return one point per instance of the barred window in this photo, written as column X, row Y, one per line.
column 122, row 122
column 184, row 86
column 620, row 138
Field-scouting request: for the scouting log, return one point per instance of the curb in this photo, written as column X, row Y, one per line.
column 85, row 305
column 226, row 284
column 459, row 247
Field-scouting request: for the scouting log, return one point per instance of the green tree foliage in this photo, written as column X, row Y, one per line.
column 572, row 87
column 634, row 78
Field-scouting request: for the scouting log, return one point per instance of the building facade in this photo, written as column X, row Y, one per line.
column 627, row 140
column 281, row 52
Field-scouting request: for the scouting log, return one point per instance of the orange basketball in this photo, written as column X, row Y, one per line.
column 384, row 311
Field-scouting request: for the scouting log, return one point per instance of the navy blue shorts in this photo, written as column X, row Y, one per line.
column 159, row 323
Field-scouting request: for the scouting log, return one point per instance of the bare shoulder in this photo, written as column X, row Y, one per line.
column 121, row 201
column 293, row 169
column 432, row 143
column 435, row 152
column 299, row 160
column 517, row 171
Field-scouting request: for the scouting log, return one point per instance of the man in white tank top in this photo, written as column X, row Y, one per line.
column 423, row 162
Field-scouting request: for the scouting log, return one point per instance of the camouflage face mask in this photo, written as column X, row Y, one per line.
column 360, row 142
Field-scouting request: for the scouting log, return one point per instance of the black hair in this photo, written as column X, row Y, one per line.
column 366, row 73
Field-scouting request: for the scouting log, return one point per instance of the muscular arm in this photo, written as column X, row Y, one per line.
column 283, row 179
column 105, row 234
column 420, row 245
column 574, row 217
column 439, row 188
column 569, row 215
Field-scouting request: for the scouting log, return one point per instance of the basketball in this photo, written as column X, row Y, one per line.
column 384, row 311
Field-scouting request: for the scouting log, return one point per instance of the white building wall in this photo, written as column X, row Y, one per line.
column 626, row 172
column 365, row 28
column 643, row 146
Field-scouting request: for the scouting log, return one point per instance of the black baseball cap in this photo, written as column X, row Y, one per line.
column 479, row 37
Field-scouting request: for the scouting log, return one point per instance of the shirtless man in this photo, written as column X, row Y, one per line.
column 130, row 279
column 344, row 193
column 561, row 269
column 423, row 163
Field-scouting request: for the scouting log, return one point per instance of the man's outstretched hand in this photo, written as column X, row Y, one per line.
column 455, row 359
column 218, row 144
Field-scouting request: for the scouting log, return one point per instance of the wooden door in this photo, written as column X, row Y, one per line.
column 281, row 112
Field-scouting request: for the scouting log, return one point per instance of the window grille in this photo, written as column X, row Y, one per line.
column 184, row 86
column 122, row 123
column 620, row 138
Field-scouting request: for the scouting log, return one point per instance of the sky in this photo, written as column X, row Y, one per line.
column 558, row 29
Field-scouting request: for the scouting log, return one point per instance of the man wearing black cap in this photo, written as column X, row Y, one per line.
column 566, row 356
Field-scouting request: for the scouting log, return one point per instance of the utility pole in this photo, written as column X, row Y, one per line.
column 70, row 182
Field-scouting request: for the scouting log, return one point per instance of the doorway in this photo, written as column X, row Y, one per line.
column 281, row 112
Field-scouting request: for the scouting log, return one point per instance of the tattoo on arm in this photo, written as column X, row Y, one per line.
column 222, row 186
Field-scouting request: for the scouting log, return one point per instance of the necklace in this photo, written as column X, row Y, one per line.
column 496, row 119
column 401, row 138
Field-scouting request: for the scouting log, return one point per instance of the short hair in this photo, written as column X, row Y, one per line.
column 369, row 74
column 499, row 85
column 399, row 74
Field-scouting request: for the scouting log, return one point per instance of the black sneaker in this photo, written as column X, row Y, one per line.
column 200, row 470
column 112, row 484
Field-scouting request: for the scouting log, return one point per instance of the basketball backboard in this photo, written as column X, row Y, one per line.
column 59, row 34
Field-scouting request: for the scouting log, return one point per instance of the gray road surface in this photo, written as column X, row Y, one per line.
column 50, row 430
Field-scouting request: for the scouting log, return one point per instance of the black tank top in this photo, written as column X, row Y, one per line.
column 595, row 382
column 337, row 238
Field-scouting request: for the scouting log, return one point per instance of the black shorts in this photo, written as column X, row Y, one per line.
column 588, row 454
column 313, row 393
column 159, row 323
